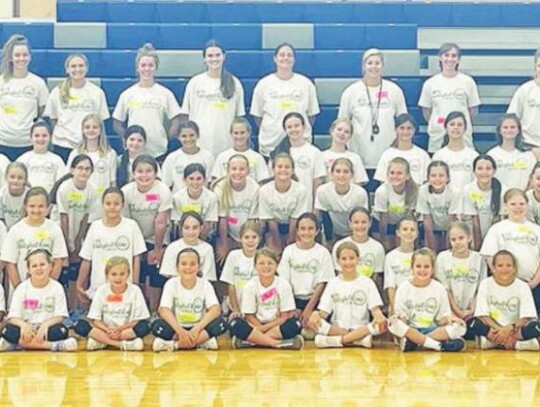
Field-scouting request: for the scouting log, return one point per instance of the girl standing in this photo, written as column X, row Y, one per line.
column 533, row 195
column 12, row 194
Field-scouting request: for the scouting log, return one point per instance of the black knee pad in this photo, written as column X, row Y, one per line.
column 216, row 327
column 478, row 328
column 531, row 330
column 290, row 328
column 240, row 328
column 142, row 328
column 57, row 332
column 162, row 330
column 469, row 334
column 12, row 333
column 83, row 328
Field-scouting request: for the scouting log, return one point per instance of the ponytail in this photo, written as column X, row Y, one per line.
column 227, row 85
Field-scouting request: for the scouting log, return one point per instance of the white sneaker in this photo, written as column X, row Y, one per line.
column 210, row 344
column 161, row 345
column 238, row 343
column 531, row 345
column 484, row 343
column 92, row 344
column 67, row 345
column 133, row 344
column 6, row 346
column 296, row 343
column 326, row 341
column 365, row 342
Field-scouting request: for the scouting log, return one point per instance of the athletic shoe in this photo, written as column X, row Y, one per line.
column 531, row 344
column 327, row 341
column 6, row 346
column 406, row 345
column 453, row 345
column 92, row 344
column 133, row 344
column 365, row 342
column 210, row 344
column 484, row 343
column 161, row 345
column 67, row 345
column 295, row 343
column 238, row 343
column 308, row 334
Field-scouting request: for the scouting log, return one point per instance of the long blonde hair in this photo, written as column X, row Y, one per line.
column 227, row 200
column 6, row 64
column 103, row 145
column 66, row 84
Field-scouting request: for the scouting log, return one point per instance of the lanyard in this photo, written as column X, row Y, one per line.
column 375, row 129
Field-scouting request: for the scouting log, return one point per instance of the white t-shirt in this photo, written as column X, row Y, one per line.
column 177, row 161
column 478, row 202
column 20, row 100
column 213, row 113
column 4, row 162
column 444, row 95
column 387, row 101
column 148, row 107
column 438, row 206
column 460, row 164
column 513, row 167
column 397, row 268
column 188, row 305
column 104, row 174
column 273, row 98
column 129, row 167
column 283, row 206
column 69, row 116
column 422, row 307
column 2, row 299
column 308, row 166
column 371, row 256
column 339, row 206
column 43, row 169
column 390, row 202
column 534, row 207
column 304, row 269
column 206, row 205
column 505, row 304
column 360, row 174
column 417, row 158
column 143, row 207
column 11, row 207
column 37, row 305
column 237, row 271
column 461, row 277
column 206, row 255
column 521, row 239
column 258, row 170
column 114, row 309
column 525, row 104
column 103, row 242
column 267, row 303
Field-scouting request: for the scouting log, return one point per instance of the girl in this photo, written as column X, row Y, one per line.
column 44, row 168
column 118, row 314
column 455, row 151
column 195, row 197
column 189, row 153
column 397, row 263
column 279, row 93
column 38, row 308
column 239, row 267
column 307, row 266
column 281, row 201
column 268, row 308
column 32, row 232
column 112, row 235
column 24, row 96
column 238, row 201
column 340, row 133
column 70, row 102
column 213, row 99
column 438, row 204
column 335, row 199
column 394, row 199
column 520, row 237
column 422, row 314
column 191, row 225
column 350, row 300
column 94, row 144
column 12, row 194
column 448, row 91
column 461, row 270
column 309, row 167
column 189, row 309
column 482, row 198
column 148, row 202
column 240, row 133
column 514, row 161
column 505, row 312
column 403, row 147
column 533, row 195
column 371, row 104
column 147, row 103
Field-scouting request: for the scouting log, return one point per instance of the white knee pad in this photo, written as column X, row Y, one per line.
column 455, row 330
column 324, row 327
column 397, row 327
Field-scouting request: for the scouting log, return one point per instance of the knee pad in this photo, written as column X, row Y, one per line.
column 324, row 327
column 162, row 330
column 531, row 330
column 142, row 328
column 216, row 327
column 478, row 328
column 83, row 328
column 455, row 330
column 57, row 332
column 240, row 328
column 397, row 327
column 290, row 328
column 12, row 333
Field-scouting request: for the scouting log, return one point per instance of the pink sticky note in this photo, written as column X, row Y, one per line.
column 30, row 303
column 267, row 295
column 441, row 120
column 233, row 220
column 152, row 197
column 382, row 94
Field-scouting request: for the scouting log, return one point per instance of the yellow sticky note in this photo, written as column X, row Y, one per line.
column 75, row 196
column 287, row 104
column 191, row 208
column 186, row 317
column 134, row 103
column 476, row 196
column 364, row 270
column 220, row 105
column 406, row 262
column 460, row 270
column 73, row 98
column 520, row 165
column 10, row 110
column 524, row 229
column 42, row 234
column 396, row 209
column 424, row 322
column 495, row 314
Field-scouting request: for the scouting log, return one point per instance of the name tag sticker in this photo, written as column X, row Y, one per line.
column 30, row 303
column 115, row 297
column 152, row 197
column 268, row 295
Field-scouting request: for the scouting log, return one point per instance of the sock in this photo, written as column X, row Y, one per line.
column 372, row 329
column 431, row 343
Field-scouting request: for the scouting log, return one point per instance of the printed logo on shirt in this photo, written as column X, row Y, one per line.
column 525, row 236
column 28, row 92
column 463, row 166
column 297, row 95
column 358, row 298
column 150, row 104
column 415, row 164
column 463, row 273
column 310, row 267
column 100, row 166
column 456, row 94
column 430, row 306
column 216, row 96
column 76, row 105
column 282, row 212
column 45, row 243
column 510, row 306
column 47, row 168
column 303, row 162
column 116, row 310
column 188, row 312
column 149, row 209
column 533, row 103
column 121, row 243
